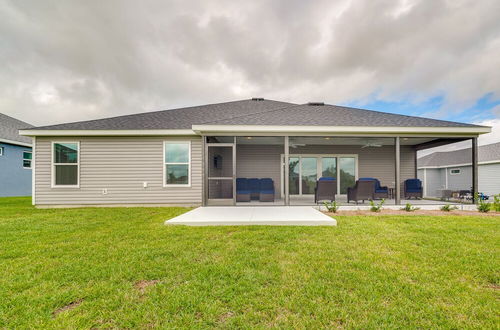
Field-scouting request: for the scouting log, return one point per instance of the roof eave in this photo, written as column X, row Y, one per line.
column 341, row 130
column 17, row 143
column 98, row 132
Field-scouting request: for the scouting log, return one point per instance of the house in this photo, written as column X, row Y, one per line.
column 452, row 170
column 15, row 158
column 194, row 155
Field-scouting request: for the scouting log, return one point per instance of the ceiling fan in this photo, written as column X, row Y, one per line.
column 295, row 145
column 371, row 144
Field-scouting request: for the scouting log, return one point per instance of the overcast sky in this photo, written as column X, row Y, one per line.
column 67, row 60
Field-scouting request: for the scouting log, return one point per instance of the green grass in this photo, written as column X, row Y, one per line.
column 368, row 272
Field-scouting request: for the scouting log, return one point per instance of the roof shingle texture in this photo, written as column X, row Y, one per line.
column 250, row 112
column 333, row 115
column 486, row 153
column 9, row 129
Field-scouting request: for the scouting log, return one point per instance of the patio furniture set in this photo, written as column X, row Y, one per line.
column 326, row 189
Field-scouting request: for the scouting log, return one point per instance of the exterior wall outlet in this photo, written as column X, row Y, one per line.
column 144, row 184
column 105, row 191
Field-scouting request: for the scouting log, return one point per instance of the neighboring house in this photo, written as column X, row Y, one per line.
column 15, row 158
column 453, row 170
column 195, row 155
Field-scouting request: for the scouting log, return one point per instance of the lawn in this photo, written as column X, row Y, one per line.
column 121, row 268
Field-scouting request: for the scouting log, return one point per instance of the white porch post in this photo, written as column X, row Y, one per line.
column 397, row 184
column 287, row 170
column 204, row 156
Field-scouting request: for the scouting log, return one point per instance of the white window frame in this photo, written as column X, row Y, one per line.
column 165, row 163
column 1, row 150
column 53, row 166
column 30, row 160
column 453, row 169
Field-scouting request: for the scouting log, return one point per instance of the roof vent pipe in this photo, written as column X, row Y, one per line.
column 257, row 99
column 316, row 103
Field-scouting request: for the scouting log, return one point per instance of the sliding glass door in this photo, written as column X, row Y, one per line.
column 305, row 170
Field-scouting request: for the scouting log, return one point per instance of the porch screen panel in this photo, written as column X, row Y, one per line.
column 309, row 174
column 329, row 167
column 347, row 173
column 294, row 172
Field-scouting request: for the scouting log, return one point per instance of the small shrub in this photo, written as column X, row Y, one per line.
column 376, row 207
column 331, row 206
column 448, row 208
column 482, row 206
column 496, row 203
column 409, row 208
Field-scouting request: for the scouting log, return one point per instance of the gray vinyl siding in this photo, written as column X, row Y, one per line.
column 489, row 178
column 260, row 161
column 121, row 165
column 461, row 181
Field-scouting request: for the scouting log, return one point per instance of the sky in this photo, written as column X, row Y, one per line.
column 63, row 61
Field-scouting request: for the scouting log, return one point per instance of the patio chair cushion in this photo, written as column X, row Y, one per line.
column 254, row 185
column 327, row 178
column 413, row 185
column 242, row 186
column 266, row 186
column 378, row 187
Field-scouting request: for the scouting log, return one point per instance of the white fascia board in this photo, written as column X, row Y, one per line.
column 460, row 165
column 96, row 132
column 339, row 129
column 17, row 143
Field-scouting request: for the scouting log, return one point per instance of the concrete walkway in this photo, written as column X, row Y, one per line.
column 248, row 216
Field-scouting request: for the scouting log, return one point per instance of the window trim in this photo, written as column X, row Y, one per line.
column 53, row 166
column 1, row 150
column 30, row 160
column 165, row 163
column 459, row 171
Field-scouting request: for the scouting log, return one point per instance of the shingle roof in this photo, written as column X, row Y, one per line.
column 252, row 112
column 9, row 129
column 333, row 115
column 486, row 153
column 182, row 118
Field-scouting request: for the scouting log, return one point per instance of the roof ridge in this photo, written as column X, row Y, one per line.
column 255, row 113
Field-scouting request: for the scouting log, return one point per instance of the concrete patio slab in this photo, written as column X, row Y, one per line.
column 249, row 216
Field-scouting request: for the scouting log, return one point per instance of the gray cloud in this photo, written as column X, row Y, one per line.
column 76, row 60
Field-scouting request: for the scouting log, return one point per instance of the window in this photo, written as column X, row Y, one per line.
column 27, row 159
column 1, row 151
column 455, row 171
column 177, row 164
column 65, row 164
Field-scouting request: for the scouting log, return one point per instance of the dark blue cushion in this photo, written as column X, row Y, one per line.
column 242, row 184
column 413, row 185
column 266, row 184
column 254, row 185
column 327, row 178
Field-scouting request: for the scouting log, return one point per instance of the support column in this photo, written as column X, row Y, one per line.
column 204, row 156
column 475, row 188
column 397, row 174
column 234, row 170
column 287, row 172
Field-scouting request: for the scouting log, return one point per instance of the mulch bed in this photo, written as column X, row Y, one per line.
column 418, row 212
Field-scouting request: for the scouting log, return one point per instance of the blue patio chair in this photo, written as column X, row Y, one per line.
column 254, row 187
column 380, row 191
column 413, row 188
column 326, row 189
column 242, row 190
column 266, row 190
